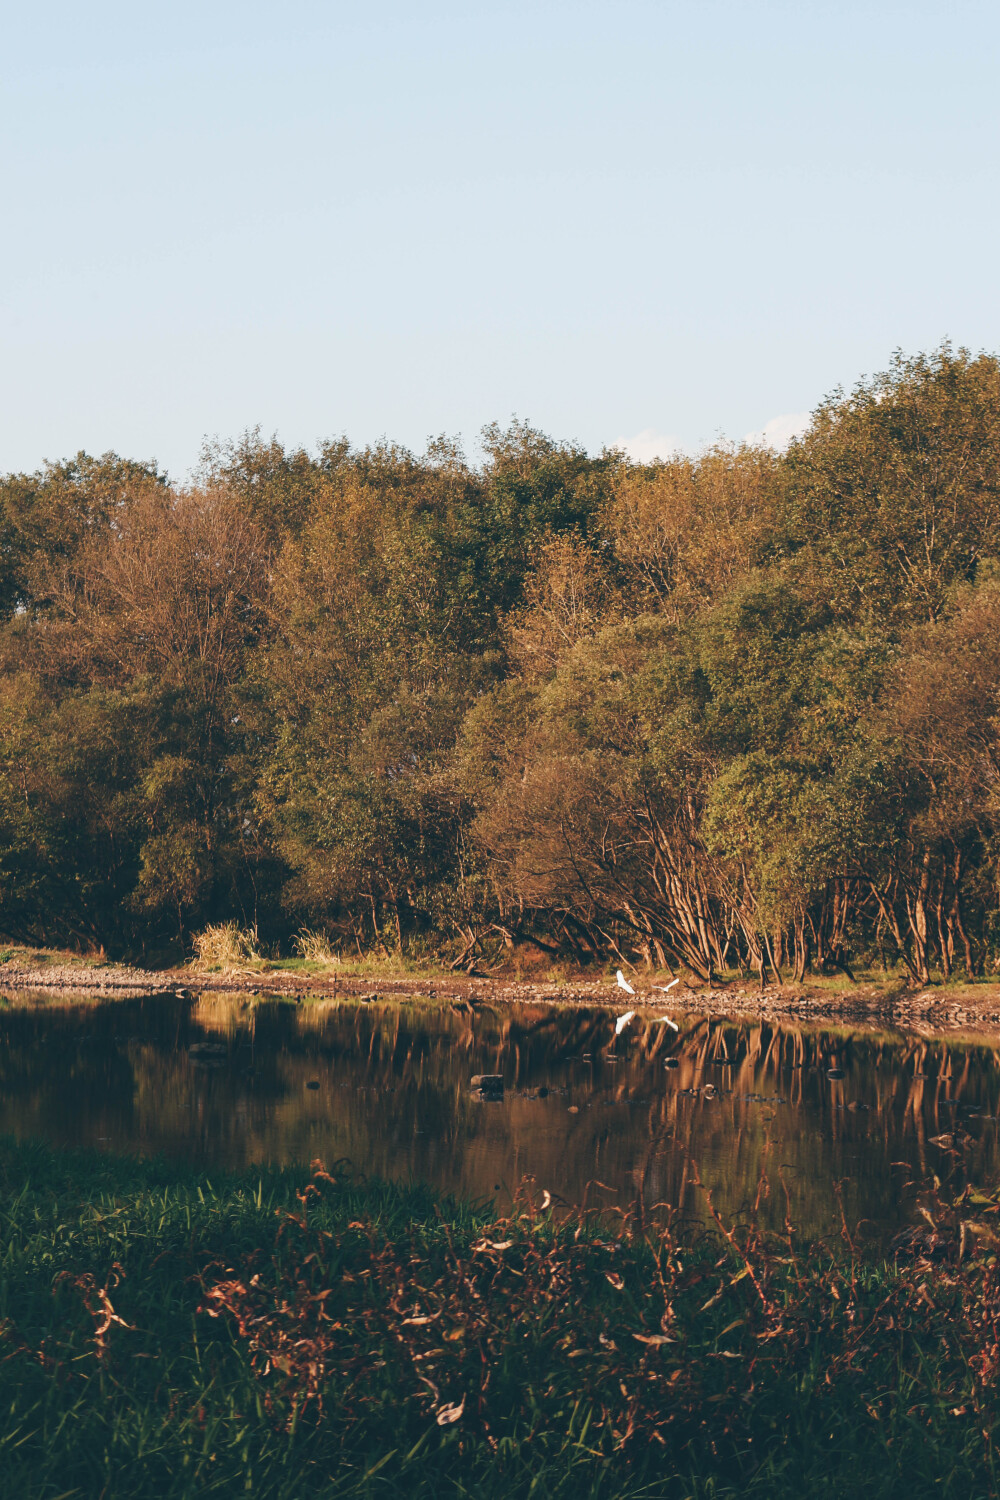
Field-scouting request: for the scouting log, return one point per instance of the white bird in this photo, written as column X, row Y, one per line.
column 666, row 988
column 623, row 983
column 623, row 1021
column 667, row 1021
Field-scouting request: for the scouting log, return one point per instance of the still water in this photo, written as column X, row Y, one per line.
column 227, row 1081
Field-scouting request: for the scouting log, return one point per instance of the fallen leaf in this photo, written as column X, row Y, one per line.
column 447, row 1414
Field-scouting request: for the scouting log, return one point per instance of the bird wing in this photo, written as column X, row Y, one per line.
column 623, row 1021
column 666, row 988
column 623, row 983
column 667, row 1021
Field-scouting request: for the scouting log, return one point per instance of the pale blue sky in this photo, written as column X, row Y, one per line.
column 402, row 219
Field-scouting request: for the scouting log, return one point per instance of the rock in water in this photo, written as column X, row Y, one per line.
column 202, row 1051
column 489, row 1083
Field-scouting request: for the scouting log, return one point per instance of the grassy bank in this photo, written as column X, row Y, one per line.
column 279, row 1335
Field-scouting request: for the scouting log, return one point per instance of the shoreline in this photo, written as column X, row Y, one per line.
column 936, row 1007
column 281, row 1331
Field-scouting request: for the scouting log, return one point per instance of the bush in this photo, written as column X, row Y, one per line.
column 226, row 945
column 315, row 947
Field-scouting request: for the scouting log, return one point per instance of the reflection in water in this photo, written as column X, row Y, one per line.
column 232, row 1081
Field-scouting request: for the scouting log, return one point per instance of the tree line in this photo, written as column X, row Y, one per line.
column 733, row 711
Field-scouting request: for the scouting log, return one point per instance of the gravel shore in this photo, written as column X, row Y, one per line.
column 969, row 1008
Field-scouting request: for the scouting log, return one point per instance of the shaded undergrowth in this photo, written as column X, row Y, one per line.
column 290, row 1334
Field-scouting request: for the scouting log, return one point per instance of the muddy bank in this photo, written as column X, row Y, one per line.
column 968, row 1008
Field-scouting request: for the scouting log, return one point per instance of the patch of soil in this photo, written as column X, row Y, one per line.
column 973, row 1008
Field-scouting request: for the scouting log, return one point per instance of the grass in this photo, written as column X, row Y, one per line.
column 277, row 1334
column 226, row 945
column 41, row 957
column 230, row 947
column 315, row 947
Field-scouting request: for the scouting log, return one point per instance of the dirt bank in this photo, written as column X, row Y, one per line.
column 967, row 1008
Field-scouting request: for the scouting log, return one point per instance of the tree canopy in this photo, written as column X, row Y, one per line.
column 739, row 710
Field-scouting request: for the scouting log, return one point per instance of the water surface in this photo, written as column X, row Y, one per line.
column 227, row 1081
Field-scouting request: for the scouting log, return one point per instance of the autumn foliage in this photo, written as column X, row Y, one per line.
column 738, row 712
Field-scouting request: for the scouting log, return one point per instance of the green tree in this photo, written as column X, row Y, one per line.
column 893, row 495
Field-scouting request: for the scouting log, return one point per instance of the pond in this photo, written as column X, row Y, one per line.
column 231, row 1082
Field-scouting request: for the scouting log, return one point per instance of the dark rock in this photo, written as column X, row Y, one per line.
column 313, row 1083
column 489, row 1083
column 203, row 1050
column 543, row 1092
column 671, row 1062
column 834, row 1072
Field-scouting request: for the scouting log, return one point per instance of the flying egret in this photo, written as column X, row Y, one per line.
column 623, row 983
column 623, row 1021
column 666, row 1021
column 666, row 988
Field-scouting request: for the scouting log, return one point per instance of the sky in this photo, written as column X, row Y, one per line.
column 640, row 222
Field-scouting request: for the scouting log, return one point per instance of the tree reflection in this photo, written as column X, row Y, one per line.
column 234, row 1080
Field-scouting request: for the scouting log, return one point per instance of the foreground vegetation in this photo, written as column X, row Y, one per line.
column 736, row 711
column 288, row 1335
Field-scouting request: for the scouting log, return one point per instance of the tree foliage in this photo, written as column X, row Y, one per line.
column 738, row 710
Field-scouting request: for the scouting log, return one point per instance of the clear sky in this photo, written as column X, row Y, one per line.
column 621, row 220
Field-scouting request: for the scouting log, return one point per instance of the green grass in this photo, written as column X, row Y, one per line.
column 594, row 1360
column 40, row 957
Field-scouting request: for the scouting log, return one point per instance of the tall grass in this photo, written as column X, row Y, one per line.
column 292, row 1334
column 315, row 947
column 226, row 945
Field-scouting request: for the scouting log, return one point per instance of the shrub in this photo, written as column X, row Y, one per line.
column 315, row 947
column 226, row 945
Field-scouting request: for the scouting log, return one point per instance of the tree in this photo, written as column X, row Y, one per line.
column 893, row 495
column 687, row 530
